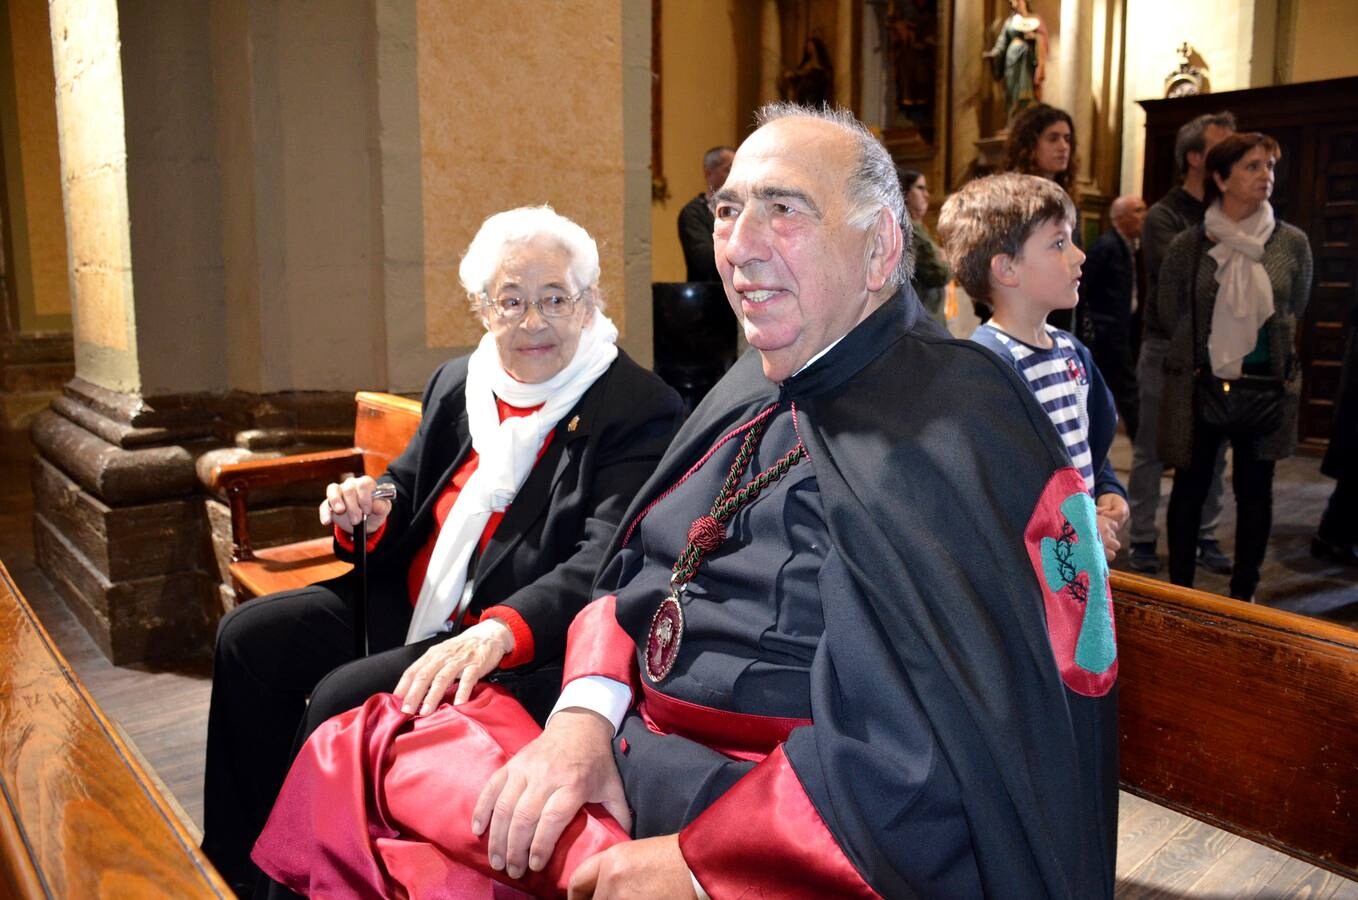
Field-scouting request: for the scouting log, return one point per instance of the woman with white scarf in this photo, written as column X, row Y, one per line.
column 528, row 452
column 1231, row 294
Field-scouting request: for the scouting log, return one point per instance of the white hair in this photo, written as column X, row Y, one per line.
column 518, row 226
column 870, row 186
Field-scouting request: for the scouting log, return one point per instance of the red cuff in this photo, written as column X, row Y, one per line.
column 346, row 540
column 764, row 838
column 523, row 635
column 597, row 645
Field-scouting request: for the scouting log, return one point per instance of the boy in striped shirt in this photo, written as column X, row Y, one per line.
column 1008, row 239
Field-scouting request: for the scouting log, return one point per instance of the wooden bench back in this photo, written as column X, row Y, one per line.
column 383, row 425
column 1241, row 715
column 79, row 816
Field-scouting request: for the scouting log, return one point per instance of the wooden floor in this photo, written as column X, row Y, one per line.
column 1161, row 854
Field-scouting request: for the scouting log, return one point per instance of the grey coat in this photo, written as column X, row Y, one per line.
column 1287, row 260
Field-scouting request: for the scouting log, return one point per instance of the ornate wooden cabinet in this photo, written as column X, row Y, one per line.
column 1316, row 123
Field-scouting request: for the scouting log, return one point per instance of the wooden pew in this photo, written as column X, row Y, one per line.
column 1242, row 716
column 383, row 425
column 79, row 817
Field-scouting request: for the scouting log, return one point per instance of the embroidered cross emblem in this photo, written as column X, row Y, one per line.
column 1079, row 549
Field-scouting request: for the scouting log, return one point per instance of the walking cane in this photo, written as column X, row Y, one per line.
column 384, row 491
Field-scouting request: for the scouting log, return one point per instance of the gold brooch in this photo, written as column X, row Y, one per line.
column 571, row 425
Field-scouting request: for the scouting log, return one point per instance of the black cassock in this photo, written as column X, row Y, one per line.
column 927, row 588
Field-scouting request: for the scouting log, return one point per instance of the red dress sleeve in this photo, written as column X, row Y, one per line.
column 764, row 838
column 597, row 645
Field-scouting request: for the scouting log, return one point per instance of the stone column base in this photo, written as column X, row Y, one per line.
column 121, row 522
column 32, row 370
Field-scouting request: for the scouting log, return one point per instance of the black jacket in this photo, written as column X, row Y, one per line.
column 542, row 558
column 695, row 236
column 1106, row 287
column 937, row 509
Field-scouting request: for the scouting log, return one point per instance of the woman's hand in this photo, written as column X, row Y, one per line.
column 345, row 504
column 466, row 659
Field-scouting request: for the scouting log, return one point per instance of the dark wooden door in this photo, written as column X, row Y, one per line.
column 1334, row 240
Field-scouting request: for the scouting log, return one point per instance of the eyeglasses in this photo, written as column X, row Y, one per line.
column 552, row 306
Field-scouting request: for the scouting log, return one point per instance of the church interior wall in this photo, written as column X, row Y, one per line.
column 173, row 196
column 1237, row 44
column 37, row 228
column 700, row 100
column 535, row 119
column 1325, row 39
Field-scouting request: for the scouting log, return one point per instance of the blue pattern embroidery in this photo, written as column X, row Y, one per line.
column 1079, row 549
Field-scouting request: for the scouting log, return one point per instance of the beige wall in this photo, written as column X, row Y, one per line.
column 1244, row 43
column 505, row 122
column 174, row 199
column 37, row 225
column 699, row 84
column 1325, row 39
column 94, row 189
column 293, row 193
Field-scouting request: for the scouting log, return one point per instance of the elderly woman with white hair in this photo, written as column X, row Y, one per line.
column 528, row 452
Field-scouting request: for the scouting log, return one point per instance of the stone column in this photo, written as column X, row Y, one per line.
column 265, row 210
column 770, row 50
column 115, row 525
column 844, row 54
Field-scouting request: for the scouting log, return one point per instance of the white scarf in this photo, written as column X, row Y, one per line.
column 507, row 451
column 1244, row 294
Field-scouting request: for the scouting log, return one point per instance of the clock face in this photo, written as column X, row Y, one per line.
column 1182, row 87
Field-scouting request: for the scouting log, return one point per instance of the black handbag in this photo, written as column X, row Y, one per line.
column 1248, row 406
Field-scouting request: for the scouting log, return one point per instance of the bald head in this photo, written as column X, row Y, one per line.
column 1127, row 213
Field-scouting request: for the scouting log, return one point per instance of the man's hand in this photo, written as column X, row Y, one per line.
column 466, row 659
column 1112, row 512
column 528, row 803
column 348, row 502
column 653, row 867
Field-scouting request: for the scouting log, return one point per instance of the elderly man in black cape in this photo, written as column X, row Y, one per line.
column 855, row 636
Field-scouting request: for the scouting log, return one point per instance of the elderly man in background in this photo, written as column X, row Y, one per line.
column 695, row 219
column 1110, row 304
column 1180, row 209
column 839, row 646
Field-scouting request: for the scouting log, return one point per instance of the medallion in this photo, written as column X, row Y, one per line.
column 662, row 644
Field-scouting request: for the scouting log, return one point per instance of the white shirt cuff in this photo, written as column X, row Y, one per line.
column 610, row 699
column 698, row 888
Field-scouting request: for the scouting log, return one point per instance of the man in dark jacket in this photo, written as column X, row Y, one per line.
column 864, row 668
column 695, row 219
column 1180, row 209
column 1111, row 304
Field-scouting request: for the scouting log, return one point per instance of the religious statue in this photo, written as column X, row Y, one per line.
column 1019, row 57
column 812, row 83
column 913, row 33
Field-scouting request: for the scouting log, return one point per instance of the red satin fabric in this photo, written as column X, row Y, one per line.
column 764, row 838
column 379, row 804
column 738, row 735
column 597, row 645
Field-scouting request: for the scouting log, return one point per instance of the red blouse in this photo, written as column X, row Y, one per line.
column 419, row 565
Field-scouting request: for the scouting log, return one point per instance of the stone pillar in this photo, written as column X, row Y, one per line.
column 1075, row 61
column 770, row 50
column 265, row 209
column 115, row 524
column 844, row 55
